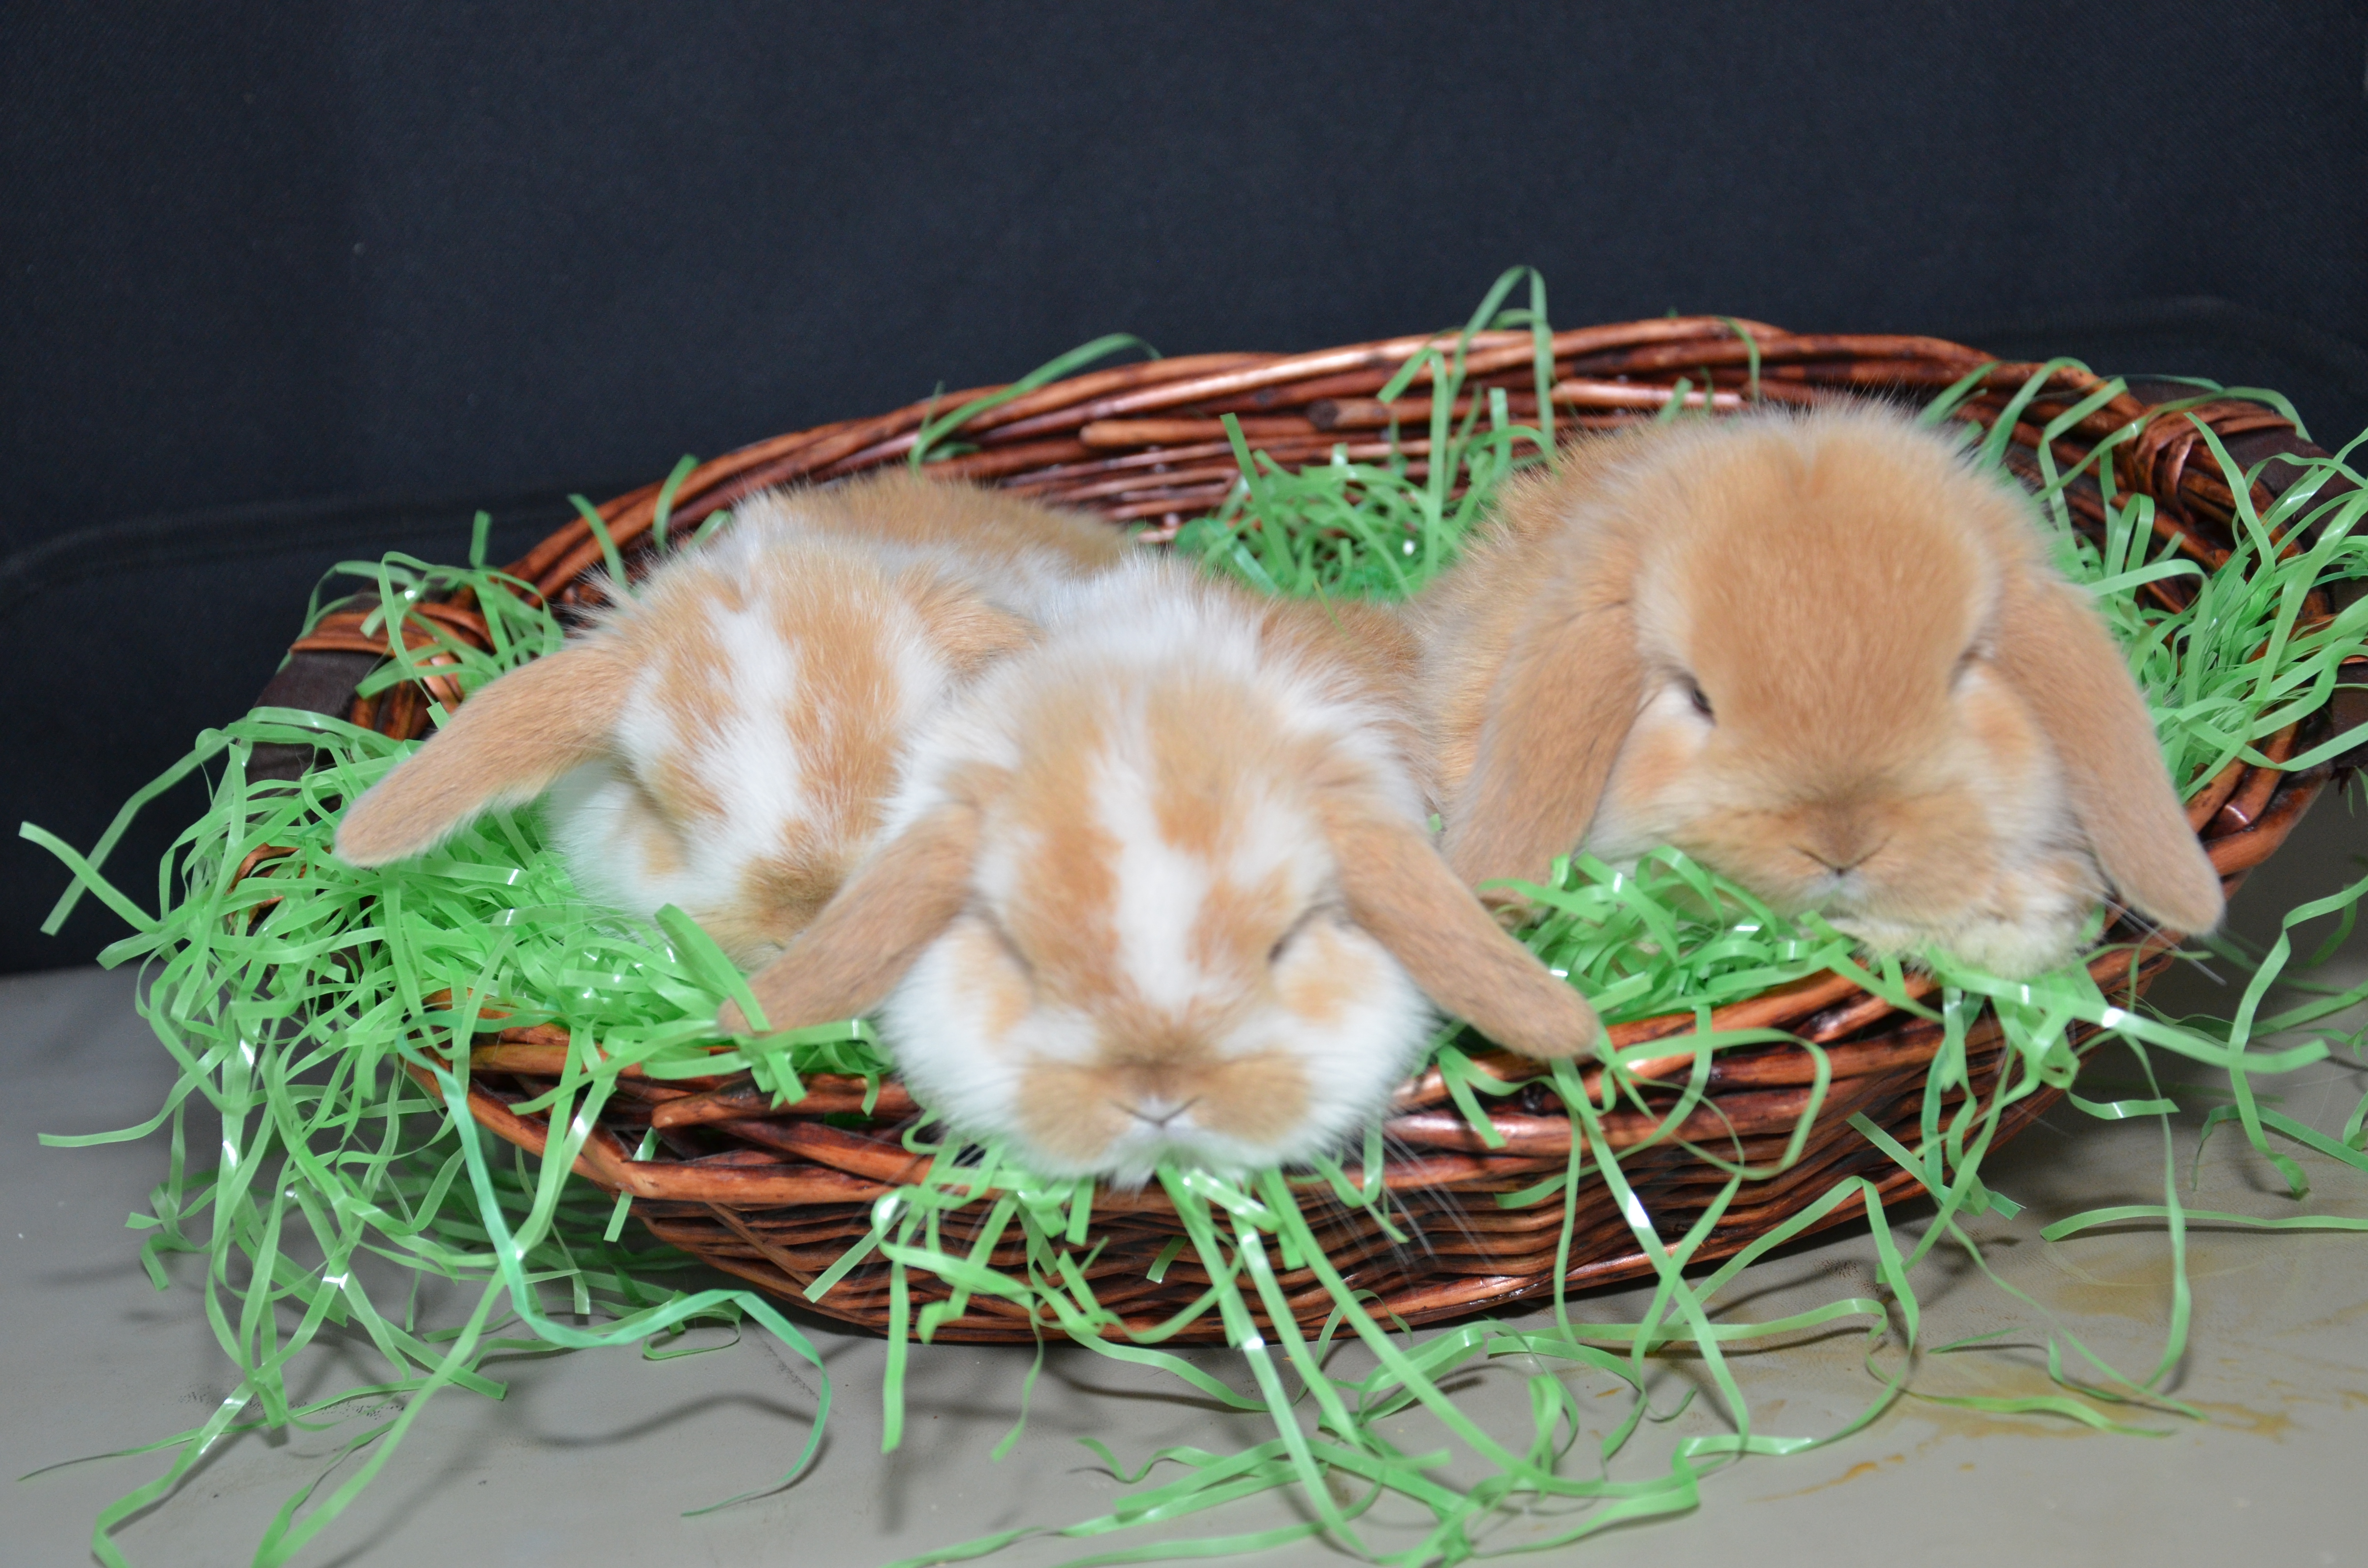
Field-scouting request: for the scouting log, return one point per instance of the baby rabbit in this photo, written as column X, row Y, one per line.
column 1162, row 885
column 725, row 739
column 1823, row 655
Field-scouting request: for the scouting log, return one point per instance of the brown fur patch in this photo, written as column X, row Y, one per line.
column 1258, row 1099
column 677, row 643
column 1205, row 748
column 842, row 716
column 1067, row 1110
column 652, row 838
column 1064, row 918
column 966, row 632
column 778, row 896
column 1215, row 754
column 900, row 898
column 989, row 975
column 1239, row 926
column 1320, row 987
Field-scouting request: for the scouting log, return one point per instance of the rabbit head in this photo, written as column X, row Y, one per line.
column 1828, row 658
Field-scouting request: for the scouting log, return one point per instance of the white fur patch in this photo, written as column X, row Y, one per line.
column 1161, row 892
column 591, row 815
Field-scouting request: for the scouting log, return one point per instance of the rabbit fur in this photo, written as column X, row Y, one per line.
column 1826, row 656
column 724, row 737
column 1162, row 885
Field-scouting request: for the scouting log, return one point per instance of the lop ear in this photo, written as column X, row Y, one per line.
column 899, row 899
column 501, row 747
column 1556, row 719
column 2056, row 653
column 1400, row 889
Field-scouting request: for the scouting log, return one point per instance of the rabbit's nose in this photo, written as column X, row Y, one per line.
column 1838, row 844
column 1154, row 1092
column 1158, row 1110
column 1838, row 861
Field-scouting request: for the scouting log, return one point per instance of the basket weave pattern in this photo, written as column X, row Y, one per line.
column 776, row 1195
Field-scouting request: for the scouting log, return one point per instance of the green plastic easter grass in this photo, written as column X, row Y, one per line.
column 300, row 996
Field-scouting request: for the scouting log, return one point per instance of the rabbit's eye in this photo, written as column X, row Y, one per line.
column 1003, row 940
column 1700, row 699
column 1307, row 917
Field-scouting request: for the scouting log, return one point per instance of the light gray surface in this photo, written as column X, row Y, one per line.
column 592, row 1458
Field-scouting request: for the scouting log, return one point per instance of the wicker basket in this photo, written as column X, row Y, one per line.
column 776, row 1196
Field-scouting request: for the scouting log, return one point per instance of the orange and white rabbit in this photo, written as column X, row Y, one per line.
column 1825, row 655
column 1162, row 885
column 726, row 738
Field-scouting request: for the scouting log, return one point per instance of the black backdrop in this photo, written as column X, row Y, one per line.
column 288, row 284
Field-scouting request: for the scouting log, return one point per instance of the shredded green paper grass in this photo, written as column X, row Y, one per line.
column 294, row 999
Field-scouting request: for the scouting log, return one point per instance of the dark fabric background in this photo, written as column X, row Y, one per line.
column 288, row 284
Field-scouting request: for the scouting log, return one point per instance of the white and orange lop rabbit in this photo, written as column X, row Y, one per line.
column 726, row 738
